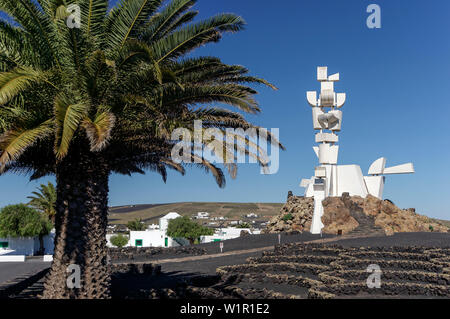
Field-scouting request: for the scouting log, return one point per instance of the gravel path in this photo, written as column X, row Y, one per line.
column 399, row 239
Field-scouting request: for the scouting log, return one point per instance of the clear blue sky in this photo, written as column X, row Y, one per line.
column 397, row 83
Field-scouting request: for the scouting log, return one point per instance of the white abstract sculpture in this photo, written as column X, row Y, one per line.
column 329, row 178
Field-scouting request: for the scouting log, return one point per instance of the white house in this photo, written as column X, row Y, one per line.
column 226, row 233
column 154, row 237
column 202, row 215
column 164, row 221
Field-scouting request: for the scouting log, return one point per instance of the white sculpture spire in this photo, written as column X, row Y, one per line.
column 331, row 179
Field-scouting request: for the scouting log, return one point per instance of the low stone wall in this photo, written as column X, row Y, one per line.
column 135, row 269
column 143, row 253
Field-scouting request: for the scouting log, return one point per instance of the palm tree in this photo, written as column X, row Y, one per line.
column 44, row 200
column 82, row 103
column 136, row 225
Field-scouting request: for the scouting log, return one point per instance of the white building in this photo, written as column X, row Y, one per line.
column 202, row 215
column 155, row 236
column 16, row 248
column 226, row 233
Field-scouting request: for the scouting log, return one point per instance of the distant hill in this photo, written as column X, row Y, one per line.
column 150, row 213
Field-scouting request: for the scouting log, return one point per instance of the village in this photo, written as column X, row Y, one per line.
column 19, row 249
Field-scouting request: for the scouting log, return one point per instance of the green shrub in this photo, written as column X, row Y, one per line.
column 136, row 225
column 288, row 217
column 119, row 240
column 184, row 227
column 431, row 228
column 23, row 221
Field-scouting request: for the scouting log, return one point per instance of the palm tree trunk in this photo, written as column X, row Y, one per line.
column 81, row 222
column 41, row 245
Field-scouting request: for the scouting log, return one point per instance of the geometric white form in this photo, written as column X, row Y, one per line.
column 326, row 137
column 335, row 125
column 333, row 180
column 327, row 86
column 311, row 96
column 319, row 195
column 305, row 182
column 351, row 180
column 309, row 191
column 327, row 97
column 331, row 120
column 375, row 185
column 328, row 154
column 340, row 99
column 47, row 258
column 377, row 166
column 322, row 73
column 320, row 172
column 328, row 119
column 407, row 168
column 316, row 150
column 334, row 77
column 316, row 112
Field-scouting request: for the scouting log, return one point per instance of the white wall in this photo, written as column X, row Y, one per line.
column 351, row 180
column 225, row 234
column 48, row 243
column 20, row 245
column 28, row 246
column 151, row 238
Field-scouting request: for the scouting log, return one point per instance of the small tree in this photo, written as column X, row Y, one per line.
column 44, row 200
column 119, row 240
column 243, row 225
column 23, row 221
column 136, row 225
column 184, row 227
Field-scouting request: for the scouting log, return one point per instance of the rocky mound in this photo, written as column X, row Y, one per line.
column 352, row 215
column 295, row 215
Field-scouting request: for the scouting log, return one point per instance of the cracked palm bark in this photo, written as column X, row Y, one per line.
column 81, row 222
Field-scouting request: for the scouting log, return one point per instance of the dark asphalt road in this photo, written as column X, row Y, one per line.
column 13, row 270
column 399, row 240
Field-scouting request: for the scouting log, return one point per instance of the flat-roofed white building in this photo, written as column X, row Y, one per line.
column 227, row 233
column 154, row 237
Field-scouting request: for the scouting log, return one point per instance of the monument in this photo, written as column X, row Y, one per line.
column 331, row 179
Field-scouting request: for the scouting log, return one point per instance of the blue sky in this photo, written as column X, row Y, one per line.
column 397, row 83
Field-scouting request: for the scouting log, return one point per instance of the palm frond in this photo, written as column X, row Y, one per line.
column 14, row 142
column 68, row 116
column 17, row 80
column 127, row 17
column 99, row 130
column 188, row 38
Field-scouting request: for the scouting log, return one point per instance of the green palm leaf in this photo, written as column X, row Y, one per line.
column 68, row 117
column 14, row 142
